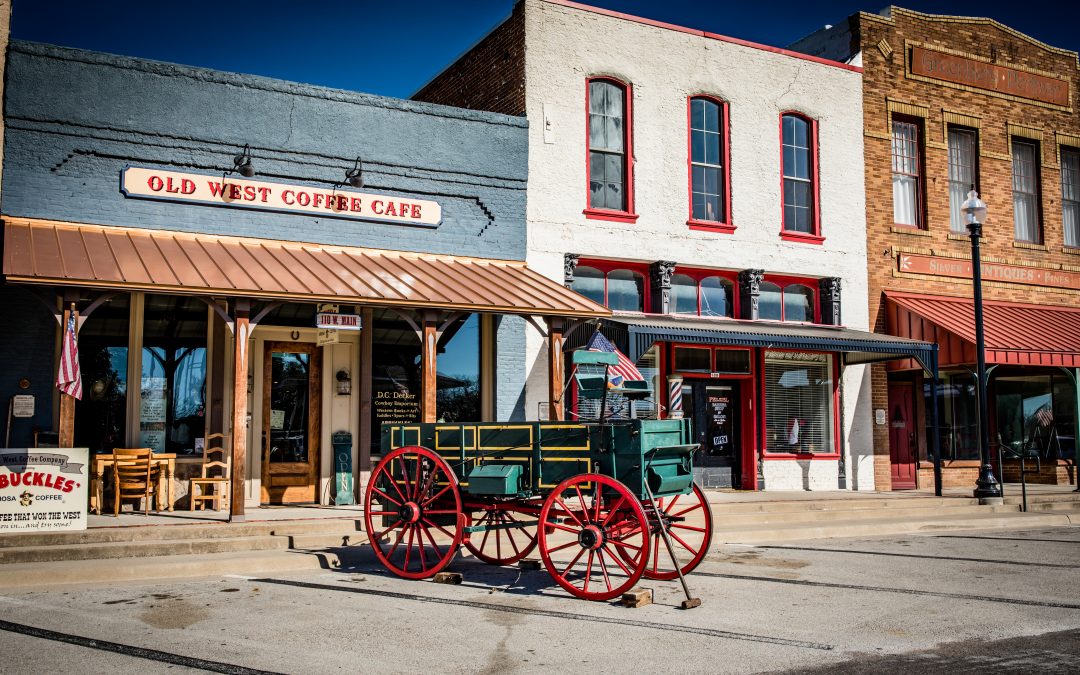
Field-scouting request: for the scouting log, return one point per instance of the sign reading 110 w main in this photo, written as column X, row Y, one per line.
column 142, row 183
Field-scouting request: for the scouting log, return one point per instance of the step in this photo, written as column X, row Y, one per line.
column 838, row 504
column 885, row 526
column 327, row 540
column 139, row 549
column 1063, row 507
column 728, row 519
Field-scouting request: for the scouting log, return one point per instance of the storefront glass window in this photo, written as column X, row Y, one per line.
column 770, row 302
column 626, row 291
column 798, row 403
column 457, row 368
column 684, row 294
column 1035, row 413
column 172, row 411
column 395, row 374
column 693, row 359
column 958, row 417
column 798, row 303
column 589, row 282
column 101, row 415
column 716, row 295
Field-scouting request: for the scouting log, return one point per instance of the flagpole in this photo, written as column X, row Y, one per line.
column 67, row 402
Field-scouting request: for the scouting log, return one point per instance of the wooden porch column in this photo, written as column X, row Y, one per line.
column 364, row 439
column 239, row 412
column 556, row 409
column 428, row 382
column 67, row 403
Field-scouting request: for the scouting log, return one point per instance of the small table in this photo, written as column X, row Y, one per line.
column 159, row 459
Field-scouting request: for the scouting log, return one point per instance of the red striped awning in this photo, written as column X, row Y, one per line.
column 1018, row 334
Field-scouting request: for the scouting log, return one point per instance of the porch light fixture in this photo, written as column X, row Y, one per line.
column 344, row 382
column 354, row 176
column 242, row 163
column 987, row 488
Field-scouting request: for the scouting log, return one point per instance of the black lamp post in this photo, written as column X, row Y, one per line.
column 987, row 486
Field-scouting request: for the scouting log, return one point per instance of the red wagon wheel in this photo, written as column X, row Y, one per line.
column 506, row 542
column 593, row 537
column 688, row 520
column 413, row 513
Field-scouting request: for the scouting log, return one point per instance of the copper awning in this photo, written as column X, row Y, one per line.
column 1021, row 334
column 127, row 258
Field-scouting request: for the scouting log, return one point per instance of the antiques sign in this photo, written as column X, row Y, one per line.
column 989, row 76
column 142, row 183
column 958, row 267
column 43, row 489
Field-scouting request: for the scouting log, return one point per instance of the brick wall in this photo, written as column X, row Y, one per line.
column 885, row 81
column 490, row 76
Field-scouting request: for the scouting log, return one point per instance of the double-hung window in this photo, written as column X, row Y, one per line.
column 962, row 144
column 799, row 164
column 1070, row 195
column 1025, row 175
column 906, row 180
column 608, row 142
column 708, row 154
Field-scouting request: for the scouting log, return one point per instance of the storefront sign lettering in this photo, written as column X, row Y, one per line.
column 989, row 76
column 337, row 321
column 22, row 405
column 43, row 490
column 143, row 183
column 402, row 407
column 1017, row 274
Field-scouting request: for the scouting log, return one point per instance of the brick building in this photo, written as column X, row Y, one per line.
column 951, row 103
column 709, row 191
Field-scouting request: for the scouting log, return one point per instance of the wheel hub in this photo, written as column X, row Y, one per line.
column 410, row 512
column 591, row 537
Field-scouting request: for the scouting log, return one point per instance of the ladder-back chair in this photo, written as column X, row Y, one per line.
column 213, row 485
column 134, row 477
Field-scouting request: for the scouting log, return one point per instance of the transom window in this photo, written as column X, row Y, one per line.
column 907, row 197
column 607, row 146
column 1025, row 174
column 961, row 174
column 791, row 302
column 617, row 289
column 707, row 184
column 798, row 173
column 1070, row 195
column 708, row 296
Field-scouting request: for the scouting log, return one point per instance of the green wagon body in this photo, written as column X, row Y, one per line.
column 529, row 459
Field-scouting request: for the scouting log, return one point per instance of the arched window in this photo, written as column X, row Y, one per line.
column 771, row 302
column 608, row 143
column 716, row 297
column 589, row 281
column 708, row 161
column 684, row 294
column 626, row 291
column 798, row 303
column 799, row 164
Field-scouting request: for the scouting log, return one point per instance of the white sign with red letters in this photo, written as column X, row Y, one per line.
column 143, row 183
column 43, row 489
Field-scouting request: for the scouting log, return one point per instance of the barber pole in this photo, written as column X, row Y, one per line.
column 675, row 410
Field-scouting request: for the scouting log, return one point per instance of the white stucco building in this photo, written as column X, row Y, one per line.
column 710, row 192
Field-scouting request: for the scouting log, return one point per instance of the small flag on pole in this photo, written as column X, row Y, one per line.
column 68, row 378
column 624, row 370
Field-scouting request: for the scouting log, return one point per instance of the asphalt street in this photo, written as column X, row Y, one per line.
column 957, row 603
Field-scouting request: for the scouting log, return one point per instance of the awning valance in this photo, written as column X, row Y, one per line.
column 125, row 258
column 1020, row 334
column 638, row 333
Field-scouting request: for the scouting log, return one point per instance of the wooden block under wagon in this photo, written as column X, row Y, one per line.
column 637, row 597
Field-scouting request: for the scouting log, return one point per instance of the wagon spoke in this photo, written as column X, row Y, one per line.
column 397, row 523
column 440, row 528
column 686, row 527
column 568, row 511
column 384, row 513
column 563, row 546
column 384, row 495
column 685, row 511
column 572, row 562
column 581, row 500
column 617, row 561
column 588, row 572
column 679, row 539
column 622, row 544
column 433, row 544
column 416, row 483
column 483, row 541
column 404, row 478
column 513, row 544
column 420, row 548
column 441, row 512
column 564, row 528
column 408, row 550
column 438, row 494
column 613, row 511
column 655, row 552
column 669, row 506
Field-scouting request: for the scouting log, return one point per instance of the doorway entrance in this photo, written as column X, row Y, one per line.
column 292, row 411
column 903, row 440
column 714, row 406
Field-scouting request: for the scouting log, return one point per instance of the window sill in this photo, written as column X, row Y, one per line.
column 909, row 229
column 1029, row 246
column 956, row 236
column 802, row 237
column 605, row 214
column 801, row 455
column 1070, row 250
column 952, row 464
column 710, row 226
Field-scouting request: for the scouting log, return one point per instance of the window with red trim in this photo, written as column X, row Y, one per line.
column 799, row 175
column 908, row 198
column 787, row 301
column 702, row 293
column 608, row 149
column 615, row 287
column 709, row 177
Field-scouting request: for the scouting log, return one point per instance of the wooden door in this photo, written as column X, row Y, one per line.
column 903, row 439
column 292, row 411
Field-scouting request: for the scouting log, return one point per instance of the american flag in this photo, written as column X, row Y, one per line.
column 68, row 378
column 624, row 370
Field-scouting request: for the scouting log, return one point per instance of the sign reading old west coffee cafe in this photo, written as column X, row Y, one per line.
column 143, row 183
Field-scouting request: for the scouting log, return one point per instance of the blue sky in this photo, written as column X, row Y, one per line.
column 392, row 48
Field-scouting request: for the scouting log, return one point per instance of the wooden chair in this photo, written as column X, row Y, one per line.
column 216, row 475
column 134, row 477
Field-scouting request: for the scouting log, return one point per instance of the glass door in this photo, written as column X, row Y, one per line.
column 291, row 422
column 716, row 414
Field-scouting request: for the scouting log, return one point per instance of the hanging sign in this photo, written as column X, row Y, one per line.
column 337, row 321
column 326, row 336
column 142, row 183
column 43, row 490
column 961, row 268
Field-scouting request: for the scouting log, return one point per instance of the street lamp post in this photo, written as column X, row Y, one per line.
column 986, row 486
